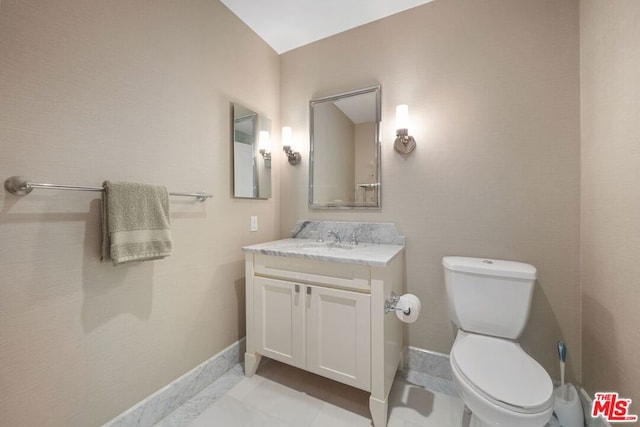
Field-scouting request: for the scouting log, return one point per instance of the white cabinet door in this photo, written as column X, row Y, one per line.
column 279, row 320
column 338, row 335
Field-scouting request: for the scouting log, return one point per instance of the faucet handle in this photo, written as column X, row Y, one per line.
column 354, row 240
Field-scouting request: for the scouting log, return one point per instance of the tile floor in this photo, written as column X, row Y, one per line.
column 282, row 396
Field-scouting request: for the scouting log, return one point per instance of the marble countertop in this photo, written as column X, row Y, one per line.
column 372, row 254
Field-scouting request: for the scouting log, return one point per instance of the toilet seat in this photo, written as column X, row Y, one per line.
column 501, row 372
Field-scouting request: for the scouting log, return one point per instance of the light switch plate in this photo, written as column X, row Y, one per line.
column 254, row 223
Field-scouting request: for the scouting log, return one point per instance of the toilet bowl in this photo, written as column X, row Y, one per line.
column 489, row 302
column 500, row 383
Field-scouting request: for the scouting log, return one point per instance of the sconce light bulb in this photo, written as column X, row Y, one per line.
column 287, row 146
column 263, row 141
column 404, row 142
column 402, row 116
column 286, row 136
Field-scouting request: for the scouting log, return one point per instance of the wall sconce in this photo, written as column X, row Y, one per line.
column 264, row 145
column 294, row 157
column 404, row 143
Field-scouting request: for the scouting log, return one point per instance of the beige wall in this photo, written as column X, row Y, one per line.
column 365, row 161
column 336, row 182
column 493, row 92
column 121, row 90
column 610, row 97
column 139, row 91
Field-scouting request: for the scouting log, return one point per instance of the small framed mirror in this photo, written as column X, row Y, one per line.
column 344, row 168
column 251, row 153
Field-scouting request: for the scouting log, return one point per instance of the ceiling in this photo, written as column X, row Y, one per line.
column 288, row 24
column 359, row 109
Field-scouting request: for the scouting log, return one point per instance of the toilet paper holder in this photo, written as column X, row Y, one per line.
column 390, row 305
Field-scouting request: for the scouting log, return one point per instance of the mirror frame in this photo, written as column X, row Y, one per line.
column 260, row 122
column 377, row 89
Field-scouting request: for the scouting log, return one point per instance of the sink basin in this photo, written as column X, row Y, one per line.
column 322, row 246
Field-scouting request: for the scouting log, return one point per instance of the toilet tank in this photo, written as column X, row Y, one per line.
column 488, row 296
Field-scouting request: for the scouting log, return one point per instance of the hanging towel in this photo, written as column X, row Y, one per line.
column 135, row 222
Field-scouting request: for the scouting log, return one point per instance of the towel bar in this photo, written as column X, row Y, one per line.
column 21, row 186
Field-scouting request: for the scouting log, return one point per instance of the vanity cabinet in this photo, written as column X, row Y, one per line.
column 323, row 330
column 338, row 339
column 326, row 317
column 279, row 320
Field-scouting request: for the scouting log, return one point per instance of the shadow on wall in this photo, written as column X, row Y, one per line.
column 600, row 356
column 109, row 291
column 221, row 306
column 542, row 318
column 239, row 286
column 106, row 290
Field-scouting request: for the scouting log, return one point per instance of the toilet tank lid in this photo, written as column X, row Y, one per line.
column 490, row 267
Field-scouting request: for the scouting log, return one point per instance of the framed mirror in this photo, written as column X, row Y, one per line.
column 344, row 168
column 251, row 160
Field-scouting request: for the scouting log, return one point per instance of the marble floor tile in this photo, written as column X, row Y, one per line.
column 227, row 411
column 429, row 382
column 282, row 396
column 244, row 387
column 336, row 416
column 422, row 407
column 281, row 402
column 350, row 399
column 195, row 406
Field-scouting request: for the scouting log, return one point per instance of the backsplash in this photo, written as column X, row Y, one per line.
column 364, row 232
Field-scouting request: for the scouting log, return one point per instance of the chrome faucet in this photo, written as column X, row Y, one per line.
column 354, row 239
column 335, row 235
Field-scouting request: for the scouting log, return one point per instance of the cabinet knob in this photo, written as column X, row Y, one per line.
column 297, row 289
column 308, row 290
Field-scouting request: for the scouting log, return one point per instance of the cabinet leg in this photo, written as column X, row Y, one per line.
column 378, row 410
column 251, row 362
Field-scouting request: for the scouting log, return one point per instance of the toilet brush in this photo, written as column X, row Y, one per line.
column 562, row 355
column 566, row 404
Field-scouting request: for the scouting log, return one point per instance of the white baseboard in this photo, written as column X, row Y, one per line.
column 587, row 402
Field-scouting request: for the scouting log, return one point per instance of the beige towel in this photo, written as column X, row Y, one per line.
column 135, row 222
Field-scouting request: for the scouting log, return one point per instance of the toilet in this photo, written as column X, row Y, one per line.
column 489, row 302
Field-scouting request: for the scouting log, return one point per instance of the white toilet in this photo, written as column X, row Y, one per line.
column 489, row 301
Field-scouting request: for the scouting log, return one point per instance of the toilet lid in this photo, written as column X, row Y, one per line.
column 503, row 371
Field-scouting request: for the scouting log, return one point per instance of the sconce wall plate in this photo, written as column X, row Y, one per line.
column 404, row 142
column 293, row 157
column 265, row 154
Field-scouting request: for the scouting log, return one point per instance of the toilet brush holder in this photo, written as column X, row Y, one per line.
column 567, row 406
